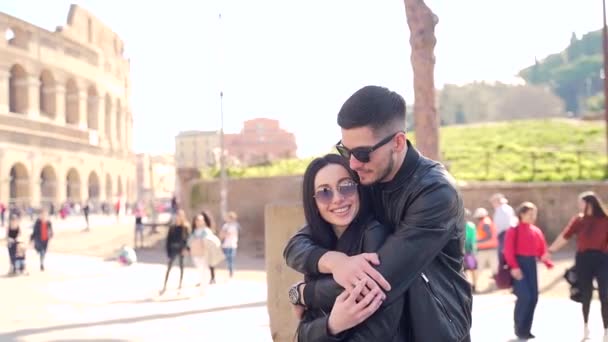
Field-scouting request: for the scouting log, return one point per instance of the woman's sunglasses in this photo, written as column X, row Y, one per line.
column 345, row 189
column 363, row 153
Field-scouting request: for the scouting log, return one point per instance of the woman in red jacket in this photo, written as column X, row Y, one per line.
column 524, row 244
column 591, row 229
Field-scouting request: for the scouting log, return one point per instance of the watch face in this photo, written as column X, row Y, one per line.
column 294, row 296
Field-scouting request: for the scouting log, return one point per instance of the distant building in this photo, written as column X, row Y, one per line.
column 196, row 149
column 260, row 141
column 155, row 174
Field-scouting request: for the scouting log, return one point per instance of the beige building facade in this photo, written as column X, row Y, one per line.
column 65, row 120
column 156, row 176
column 197, row 149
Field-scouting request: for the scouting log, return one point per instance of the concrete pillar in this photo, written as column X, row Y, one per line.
column 281, row 221
column 34, row 173
column 130, row 131
column 93, row 104
column 111, row 122
column 59, row 104
column 82, row 109
column 4, row 181
column 4, row 76
column 101, row 120
column 33, row 96
column 120, row 127
column 61, row 196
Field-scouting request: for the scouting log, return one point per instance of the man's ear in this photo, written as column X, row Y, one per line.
column 400, row 143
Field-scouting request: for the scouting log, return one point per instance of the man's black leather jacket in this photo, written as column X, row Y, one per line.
column 422, row 258
column 319, row 295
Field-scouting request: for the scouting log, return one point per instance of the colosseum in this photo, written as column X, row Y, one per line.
column 65, row 119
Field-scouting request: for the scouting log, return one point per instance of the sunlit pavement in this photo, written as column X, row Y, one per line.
column 81, row 298
column 85, row 299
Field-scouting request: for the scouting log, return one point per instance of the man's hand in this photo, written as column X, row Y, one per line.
column 348, row 312
column 298, row 311
column 348, row 271
column 516, row 274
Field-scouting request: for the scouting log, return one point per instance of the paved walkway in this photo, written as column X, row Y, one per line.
column 85, row 298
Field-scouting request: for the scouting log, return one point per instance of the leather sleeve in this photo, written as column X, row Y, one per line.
column 384, row 325
column 302, row 254
column 425, row 229
column 316, row 331
column 35, row 230
column 322, row 292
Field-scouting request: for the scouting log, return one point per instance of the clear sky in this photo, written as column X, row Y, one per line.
column 297, row 61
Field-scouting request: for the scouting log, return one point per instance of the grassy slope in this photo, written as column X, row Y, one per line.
column 539, row 150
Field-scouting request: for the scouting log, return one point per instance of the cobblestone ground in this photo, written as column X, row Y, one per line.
column 86, row 298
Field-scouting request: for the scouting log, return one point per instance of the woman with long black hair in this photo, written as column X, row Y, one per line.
column 591, row 229
column 338, row 216
column 177, row 246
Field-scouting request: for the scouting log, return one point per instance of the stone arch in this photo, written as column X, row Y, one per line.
column 93, row 187
column 108, row 118
column 92, row 108
column 19, row 184
column 72, row 185
column 72, row 107
column 18, row 98
column 109, row 194
column 48, row 106
column 48, row 185
column 119, row 122
column 119, row 187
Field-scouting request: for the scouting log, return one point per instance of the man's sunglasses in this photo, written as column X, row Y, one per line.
column 363, row 153
column 345, row 189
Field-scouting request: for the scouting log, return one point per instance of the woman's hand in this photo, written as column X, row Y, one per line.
column 347, row 312
column 298, row 311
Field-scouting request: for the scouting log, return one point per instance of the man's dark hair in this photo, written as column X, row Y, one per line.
column 377, row 107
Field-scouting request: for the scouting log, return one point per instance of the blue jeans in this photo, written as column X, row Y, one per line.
column 230, row 255
column 526, row 291
column 41, row 247
column 12, row 251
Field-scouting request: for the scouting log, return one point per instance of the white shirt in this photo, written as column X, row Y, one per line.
column 231, row 235
column 504, row 218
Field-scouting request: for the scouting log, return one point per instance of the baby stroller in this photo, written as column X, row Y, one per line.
column 20, row 253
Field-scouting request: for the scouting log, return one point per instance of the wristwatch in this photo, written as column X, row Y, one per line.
column 294, row 294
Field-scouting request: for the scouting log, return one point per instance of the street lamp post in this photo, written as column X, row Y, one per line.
column 223, row 181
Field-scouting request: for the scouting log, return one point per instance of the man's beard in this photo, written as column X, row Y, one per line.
column 386, row 172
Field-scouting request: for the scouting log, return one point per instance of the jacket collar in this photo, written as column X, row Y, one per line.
column 412, row 158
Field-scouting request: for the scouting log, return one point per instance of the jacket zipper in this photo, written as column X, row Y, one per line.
column 428, row 284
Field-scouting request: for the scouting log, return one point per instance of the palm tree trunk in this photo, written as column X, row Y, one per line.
column 421, row 21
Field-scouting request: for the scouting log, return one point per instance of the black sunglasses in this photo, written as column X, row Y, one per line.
column 362, row 153
column 346, row 188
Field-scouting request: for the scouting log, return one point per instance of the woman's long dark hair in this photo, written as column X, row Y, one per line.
column 592, row 200
column 209, row 221
column 322, row 232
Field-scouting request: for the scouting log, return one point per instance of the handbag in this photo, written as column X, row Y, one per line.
column 470, row 261
column 572, row 279
column 503, row 278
